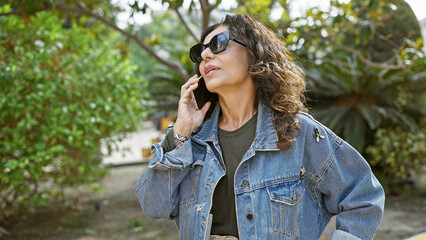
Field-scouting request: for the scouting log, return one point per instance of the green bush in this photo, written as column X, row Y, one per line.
column 398, row 154
column 61, row 92
column 354, row 86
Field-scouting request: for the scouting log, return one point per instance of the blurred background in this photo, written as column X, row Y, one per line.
column 86, row 86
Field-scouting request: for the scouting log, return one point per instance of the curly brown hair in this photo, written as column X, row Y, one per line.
column 279, row 82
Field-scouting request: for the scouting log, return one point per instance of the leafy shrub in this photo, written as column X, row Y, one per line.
column 61, row 91
column 399, row 154
column 356, row 81
column 397, row 23
column 354, row 99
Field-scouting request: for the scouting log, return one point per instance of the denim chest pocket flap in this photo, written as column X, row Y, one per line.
column 285, row 202
column 289, row 193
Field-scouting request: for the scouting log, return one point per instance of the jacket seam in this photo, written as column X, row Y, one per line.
column 330, row 161
column 335, row 138
column 269, row 183
column 140, row 186
column 251, row 199
column 170, row 191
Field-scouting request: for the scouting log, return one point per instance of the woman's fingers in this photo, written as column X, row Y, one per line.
column 205, row 108
column 191, row 81
column 186, row 96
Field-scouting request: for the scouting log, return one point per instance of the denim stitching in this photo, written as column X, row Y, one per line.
column 330, row 161
column 268, row 183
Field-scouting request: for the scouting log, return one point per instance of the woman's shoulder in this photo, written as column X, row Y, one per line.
column 311, row 127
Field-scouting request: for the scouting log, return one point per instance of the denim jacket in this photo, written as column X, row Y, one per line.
column 278, row 194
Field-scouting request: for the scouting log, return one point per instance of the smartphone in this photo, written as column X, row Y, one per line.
column 201, row 94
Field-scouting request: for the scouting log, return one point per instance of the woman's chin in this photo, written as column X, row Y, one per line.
column 212, row 88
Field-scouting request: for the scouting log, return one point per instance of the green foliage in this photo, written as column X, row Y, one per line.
column 388, row 27
column 164, row 84
column 61, row 93
column 347, row 91
column 363, row 59
column 399, row 154
column 134, row 223
column 261, row 10
column 29, row 6
column 353, row 87
column 355, row 99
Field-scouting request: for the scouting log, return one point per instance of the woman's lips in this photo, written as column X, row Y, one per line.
column 211, row 72
column 210, row 69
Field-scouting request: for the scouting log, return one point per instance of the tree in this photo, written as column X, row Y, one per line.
column 382, row 35
column 62, row 91
column 366, row 76
column 28, row 7
column 353, row 90
column 338, row 47
column 356, row 103
column 164, row 84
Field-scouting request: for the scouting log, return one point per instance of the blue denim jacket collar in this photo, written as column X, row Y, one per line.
column 266, row 136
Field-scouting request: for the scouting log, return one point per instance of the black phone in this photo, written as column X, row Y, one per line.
column 201, row 94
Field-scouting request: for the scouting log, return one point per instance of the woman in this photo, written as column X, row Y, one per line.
column 255, row 166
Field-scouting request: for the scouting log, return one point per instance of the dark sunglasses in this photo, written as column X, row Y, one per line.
column 217, row 44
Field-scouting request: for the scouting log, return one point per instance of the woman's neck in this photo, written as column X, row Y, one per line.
column 237, row 108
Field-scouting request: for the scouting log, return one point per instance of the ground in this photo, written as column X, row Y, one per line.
column 115, row 214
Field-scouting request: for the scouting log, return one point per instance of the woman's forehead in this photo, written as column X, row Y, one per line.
column 214, row 33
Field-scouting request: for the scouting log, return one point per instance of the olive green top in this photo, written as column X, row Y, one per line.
column 233, row 144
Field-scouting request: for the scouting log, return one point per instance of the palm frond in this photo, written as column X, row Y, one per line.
column 403, row 119
column 371, row 114
column 354, row 130
column 333, row 117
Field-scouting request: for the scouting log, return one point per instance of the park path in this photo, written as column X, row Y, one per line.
column 130, row 149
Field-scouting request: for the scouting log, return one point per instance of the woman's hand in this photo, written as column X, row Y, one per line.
column 189, row 116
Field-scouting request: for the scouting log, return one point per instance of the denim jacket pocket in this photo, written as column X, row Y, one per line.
column 285, row 206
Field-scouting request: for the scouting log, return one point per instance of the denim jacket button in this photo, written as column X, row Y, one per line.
column 250, row 216
column 245, row 183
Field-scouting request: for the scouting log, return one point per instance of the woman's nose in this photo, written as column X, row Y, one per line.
column 207, row 54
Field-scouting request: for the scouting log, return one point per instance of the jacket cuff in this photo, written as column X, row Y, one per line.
column 341, row 235
column 178, row 158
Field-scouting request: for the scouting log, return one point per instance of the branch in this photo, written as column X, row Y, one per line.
column 206, row 8
column 16, row 11
column 84, row 10
column 90, row 23
column 383, row 65
column 186, row 25
column 400, row 48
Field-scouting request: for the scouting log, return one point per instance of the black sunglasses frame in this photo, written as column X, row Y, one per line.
column 195, row 53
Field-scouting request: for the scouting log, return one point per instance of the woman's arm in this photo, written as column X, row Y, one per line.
column 353, row 193
column 157, row 189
